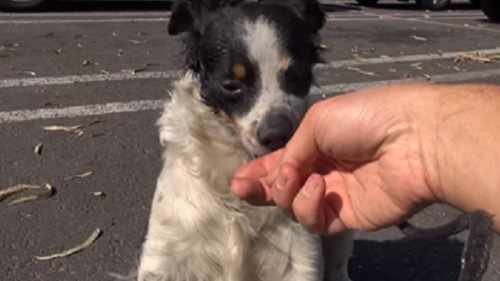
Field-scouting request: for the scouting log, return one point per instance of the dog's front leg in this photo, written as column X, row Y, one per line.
column 165, row 246
column 155, row 263
column 336, row 252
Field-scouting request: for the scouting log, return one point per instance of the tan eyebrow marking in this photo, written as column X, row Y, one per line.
column 239, row 71
column 285, row 63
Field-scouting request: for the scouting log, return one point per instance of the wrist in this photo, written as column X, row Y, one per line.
column 460, row 140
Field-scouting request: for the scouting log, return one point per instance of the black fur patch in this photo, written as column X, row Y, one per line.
column 214, row 43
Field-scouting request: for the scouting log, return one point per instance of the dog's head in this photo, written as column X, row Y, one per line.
column 254, row 61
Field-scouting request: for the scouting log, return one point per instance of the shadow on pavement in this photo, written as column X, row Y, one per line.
column 404, row 260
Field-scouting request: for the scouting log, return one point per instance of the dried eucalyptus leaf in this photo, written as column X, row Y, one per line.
column 92, row 238
column 133, row 41
column 38, row 148
column 133, row 71
column 419, row 38
column 46, row 194
column 62, row 128
column 369, row 73
column 84, row 175
column 98, row 193
column 6, row 192
column 359, row 58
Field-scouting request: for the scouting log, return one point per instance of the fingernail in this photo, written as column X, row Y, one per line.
column 281, row 181
column 309, row 187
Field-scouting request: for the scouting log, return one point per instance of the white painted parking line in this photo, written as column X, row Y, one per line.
column 393, row 18
column 79, row 111
column 400, row 59
column 64, row 21
column 433, row 22
column 462, row 26
column 65, row 80
column 443, row 78
column 84, row 14
column 145, row 105
column 371, row 17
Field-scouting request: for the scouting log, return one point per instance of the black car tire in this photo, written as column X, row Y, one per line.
column 491, row 8
column 20, row 5
column 434, row 5
column 369, row 3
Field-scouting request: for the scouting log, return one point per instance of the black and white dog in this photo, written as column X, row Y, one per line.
column 243, row 95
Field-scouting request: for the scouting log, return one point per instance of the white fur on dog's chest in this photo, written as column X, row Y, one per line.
column 209, row 235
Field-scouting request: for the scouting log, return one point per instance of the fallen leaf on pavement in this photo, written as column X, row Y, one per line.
column 418, row 38
column 38, row 148
column 133, row 71
column 69, row 129
column 93, row 237
column 6, row 192
column 84, row 175
column 30, row 73
column 9, row 47
column 417, row 65
column 49, row 191
column 358, row 57
column 369, row 73
column 138, row 42
column 477, row 57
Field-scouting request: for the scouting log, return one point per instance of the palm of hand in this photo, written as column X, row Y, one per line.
column 371, row 194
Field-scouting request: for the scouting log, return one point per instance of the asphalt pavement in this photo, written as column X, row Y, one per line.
column 107, row 68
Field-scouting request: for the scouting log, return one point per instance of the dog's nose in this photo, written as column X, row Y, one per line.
column 275, row 130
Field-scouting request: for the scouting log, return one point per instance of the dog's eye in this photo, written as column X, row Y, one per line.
column 232, row 87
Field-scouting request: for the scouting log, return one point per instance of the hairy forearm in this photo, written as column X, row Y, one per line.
column 463, row 146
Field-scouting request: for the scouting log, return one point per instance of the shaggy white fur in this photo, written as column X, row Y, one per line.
column 199, row 231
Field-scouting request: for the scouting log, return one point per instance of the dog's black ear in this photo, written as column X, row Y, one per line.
column 188, row 14
column 312, row 12
column 182, row 18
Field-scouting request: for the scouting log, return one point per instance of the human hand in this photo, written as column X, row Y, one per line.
column 357, row 161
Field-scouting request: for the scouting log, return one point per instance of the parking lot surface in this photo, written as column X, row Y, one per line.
column 108, row 69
